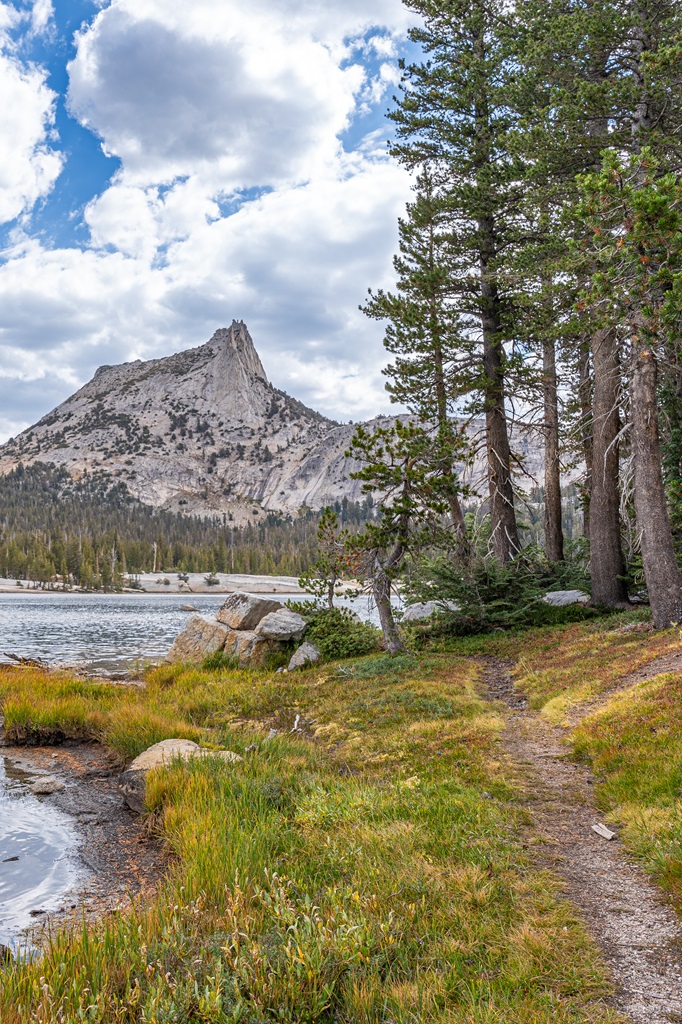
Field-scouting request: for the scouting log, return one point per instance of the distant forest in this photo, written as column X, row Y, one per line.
column 89, row 532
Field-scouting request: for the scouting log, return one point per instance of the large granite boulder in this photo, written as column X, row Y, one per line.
column 282, row 625
column 245, row 611
column 307, row 654
column 562, row 598
column 425, row 609
column 200, row 638
column 133, row 781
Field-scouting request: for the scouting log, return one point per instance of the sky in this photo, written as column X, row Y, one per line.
column 167, row 166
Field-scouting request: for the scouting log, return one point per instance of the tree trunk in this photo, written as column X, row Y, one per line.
column 445, row 430
column 663, row 579
column 381, row 591
column 607, row 565
column 586, row 438
column 554, row 535
column 505, row 534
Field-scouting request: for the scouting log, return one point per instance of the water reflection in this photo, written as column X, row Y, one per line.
column 38, row 855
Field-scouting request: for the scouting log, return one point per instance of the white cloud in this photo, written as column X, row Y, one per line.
column 42, row 14
column 29, row 165
column 203, row 101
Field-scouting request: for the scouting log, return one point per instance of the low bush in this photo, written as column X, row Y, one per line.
column 337, row 633
column 491, row 595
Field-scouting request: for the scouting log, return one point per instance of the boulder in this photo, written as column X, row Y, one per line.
column 282, row 625
column 247, row 646
column 133, row 781
column 245, row 611
column 424, row 610
column 200, row 637
column 561, row 598
column 307, row 654
column 45, row 787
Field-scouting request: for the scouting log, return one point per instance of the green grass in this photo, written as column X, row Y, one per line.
column 372, row 872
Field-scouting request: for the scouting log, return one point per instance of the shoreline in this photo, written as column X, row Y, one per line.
column 155, row 583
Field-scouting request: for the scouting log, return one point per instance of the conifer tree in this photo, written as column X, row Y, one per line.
column 424, row 334
column 454, row 116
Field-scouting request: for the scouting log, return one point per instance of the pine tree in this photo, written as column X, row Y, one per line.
column 424, row 333
column 454, row 116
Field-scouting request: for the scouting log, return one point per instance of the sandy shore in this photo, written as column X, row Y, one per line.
column 170, row 583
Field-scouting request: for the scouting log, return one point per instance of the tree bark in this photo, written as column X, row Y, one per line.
column 663, row 578
column 607, row 565
column 381, row 591
column 444, row 425
column 554, row 534
column 505, row 534
column 586, row 438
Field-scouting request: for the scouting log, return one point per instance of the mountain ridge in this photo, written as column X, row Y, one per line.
column 202, row 431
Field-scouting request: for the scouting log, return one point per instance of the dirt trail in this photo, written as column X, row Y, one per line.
column 640, row 936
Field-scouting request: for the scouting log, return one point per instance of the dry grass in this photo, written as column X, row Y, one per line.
column 367, row 870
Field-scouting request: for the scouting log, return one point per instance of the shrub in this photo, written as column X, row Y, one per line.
column 491, row 595
column 337, row 633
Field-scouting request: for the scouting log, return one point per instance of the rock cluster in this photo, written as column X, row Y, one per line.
column 247, row 627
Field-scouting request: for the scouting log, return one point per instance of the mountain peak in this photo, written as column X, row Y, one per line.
column 237, row 344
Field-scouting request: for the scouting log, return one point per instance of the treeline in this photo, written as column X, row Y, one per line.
column 539, row 280
column 89, row 532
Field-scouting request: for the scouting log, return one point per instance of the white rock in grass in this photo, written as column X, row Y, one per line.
column 562, row 598
column 425, row 609
column 307, row 654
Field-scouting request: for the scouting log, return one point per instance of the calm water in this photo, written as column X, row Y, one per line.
column 106, row 631
column 38, row 855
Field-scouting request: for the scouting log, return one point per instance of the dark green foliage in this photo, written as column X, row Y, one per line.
column 53, row 526
column 491, row 595
column 338, row 634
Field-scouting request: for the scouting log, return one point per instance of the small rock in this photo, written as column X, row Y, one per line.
column 425, row 609
column 562, row 598
column 47, row 786
column 307, row 654
column 272, row 734
column 245, row 611
column 282, row 625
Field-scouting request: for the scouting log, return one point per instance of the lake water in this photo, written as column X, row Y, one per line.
column 38, row 856
column 109, row 632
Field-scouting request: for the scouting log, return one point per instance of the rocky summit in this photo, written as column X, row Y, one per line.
column 202, row 431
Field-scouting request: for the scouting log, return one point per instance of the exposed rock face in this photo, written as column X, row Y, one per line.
column 200, row 638
column 204, row 432
column 307, row 654
column 282, row 625
column 245, row 611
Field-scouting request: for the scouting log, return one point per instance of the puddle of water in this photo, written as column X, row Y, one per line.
column 38, row 857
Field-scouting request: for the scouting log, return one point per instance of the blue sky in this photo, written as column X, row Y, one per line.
column 169, row 165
